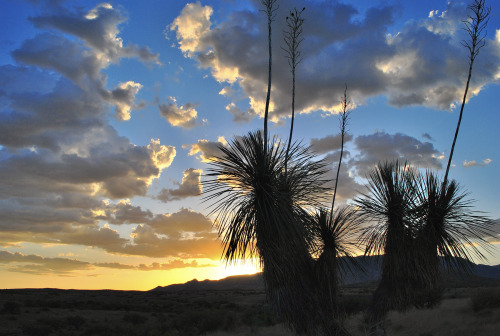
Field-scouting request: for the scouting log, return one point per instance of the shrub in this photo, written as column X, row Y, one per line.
column 353, row 304
column 36, row 330
column 11, row 307
column 75, row 321
column 52, row 322
column 97, row 329
column 135, row 318
column 485, row 298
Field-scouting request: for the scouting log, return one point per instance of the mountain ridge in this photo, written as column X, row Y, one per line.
column 481, row 275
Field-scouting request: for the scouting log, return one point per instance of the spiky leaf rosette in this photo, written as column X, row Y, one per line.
column 390, row 206
column 335, row 245
column 261, row 212
column 449, row 227
column 337, row 237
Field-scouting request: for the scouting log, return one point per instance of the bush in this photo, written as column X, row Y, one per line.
column 135, row 318
column 37, row 330
column 53, row 323
column 75, row 321
column 11, row 307
column 485, row 298
column 353, row 304
column 98, row 329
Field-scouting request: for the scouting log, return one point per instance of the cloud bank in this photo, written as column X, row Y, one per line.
column 422, row 64
column 66, row 175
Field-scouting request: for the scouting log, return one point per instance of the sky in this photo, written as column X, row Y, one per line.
column 110, row 111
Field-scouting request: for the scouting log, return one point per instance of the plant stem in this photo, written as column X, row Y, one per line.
column 474, row 27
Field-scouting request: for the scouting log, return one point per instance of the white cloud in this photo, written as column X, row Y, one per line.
column 191, row 26
column 207, row 150
column 183, row 116
column 473, row 163
column 123, row 97
column 423, row 64
column 65, row 172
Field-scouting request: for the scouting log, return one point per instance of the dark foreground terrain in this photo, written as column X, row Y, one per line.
column 235, row 306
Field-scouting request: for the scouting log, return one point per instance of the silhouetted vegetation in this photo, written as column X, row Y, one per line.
column 263, row 196
column 485, row 299
column 475, row 26
column 219, row 312
column 414, row 222
column 293, row 40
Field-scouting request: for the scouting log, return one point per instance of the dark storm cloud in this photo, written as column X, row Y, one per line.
column 423, row 64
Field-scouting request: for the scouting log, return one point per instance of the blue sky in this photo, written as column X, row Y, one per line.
column 109, row 111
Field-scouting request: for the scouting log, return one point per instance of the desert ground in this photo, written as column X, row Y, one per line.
column 470, row 310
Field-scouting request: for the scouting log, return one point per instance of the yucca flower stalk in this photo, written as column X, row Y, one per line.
column 270, row 8
column 475, row 26
column 345, row 112
column 293, row 40
column 335, row 232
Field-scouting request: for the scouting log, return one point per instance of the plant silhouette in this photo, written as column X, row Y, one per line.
column 269, row 196
column 475, row 27
column 261, row 213
column 293, row 40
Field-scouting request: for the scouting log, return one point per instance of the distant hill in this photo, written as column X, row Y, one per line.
column 236, row 282
column 482, row 275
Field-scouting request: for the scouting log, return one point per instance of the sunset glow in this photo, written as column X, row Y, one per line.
column 110, row 113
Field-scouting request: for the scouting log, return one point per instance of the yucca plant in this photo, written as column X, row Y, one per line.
column 414, row 223
column 260, row 212
column 449, row 228
column 335, row 246
column 389, row 207
column 335, row 232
